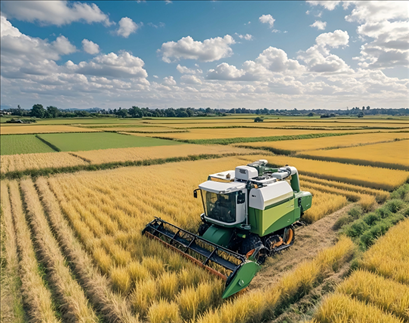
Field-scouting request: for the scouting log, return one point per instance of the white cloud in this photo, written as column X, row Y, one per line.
column 126, row 27
column 334, row 39
column 155, row 76
column 225, row 71
column 90, row 47
column 160, row 25
column 112, row 65
column 190, row 79
column 276, row 60
column 57, row 12
column 209, row 50
column 267, row 19
column 185, row 70
column 245, row 37
column 320, row 25
column 375, row 11
column 318, row 57
column 327, row 4
column 169, row 81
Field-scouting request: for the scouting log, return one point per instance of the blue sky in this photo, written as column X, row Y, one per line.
column 205, row 53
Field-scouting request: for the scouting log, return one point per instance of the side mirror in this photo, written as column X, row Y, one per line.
column 195, row 194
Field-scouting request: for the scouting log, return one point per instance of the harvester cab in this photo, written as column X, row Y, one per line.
column 248, row 215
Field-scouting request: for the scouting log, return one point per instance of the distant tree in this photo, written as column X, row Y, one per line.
column 258, row 119
column 360, row 114
column 38, row 111
column 53, row 112
column 368, row 107
column 135, row 112
column 122, row 113
column 310, row 114
column 363, row 108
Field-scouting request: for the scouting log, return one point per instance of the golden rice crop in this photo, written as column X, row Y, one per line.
column 393, row 155
column 12, row 163
column 323, row 204
column 72, row 297
column 381, row 196
column 11, row 299
column 326, row 142
column 35, row 293
column 19, row 129
column 374, row 177
column 141, row 129
column 158, row 152
column 389, row 256
column 339, row 308
column 385, row 293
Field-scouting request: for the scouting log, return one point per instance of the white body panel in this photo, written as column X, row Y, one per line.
column 221, row 187
column 245, row 173
column 270, row 194
column 227, row 175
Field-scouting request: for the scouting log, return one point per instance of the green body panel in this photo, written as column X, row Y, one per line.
column 242, row 278
column 273, row 218
column 218, row 235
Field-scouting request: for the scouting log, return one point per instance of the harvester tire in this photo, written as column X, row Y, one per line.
column 252, row 242
column 289, row 236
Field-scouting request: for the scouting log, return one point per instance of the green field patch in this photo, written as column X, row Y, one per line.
column 22, row 144
column 101, row 140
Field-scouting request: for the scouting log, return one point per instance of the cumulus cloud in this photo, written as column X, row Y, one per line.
column 267, row 19
column 124, row 65
column 90, row 47
column 209, row 50
column 245, row 37
column 190, row 79
column 185, row 70
column 276, row 60
column 58, row 12
column 126, row 27
column 225, row 71
column 320, row 25
column 318, row 57
column 169, row 81
column 327, row 4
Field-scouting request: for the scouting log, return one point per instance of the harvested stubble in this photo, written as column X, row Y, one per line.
column 326, row 142
column 13, row 163
column 389, row 256
column 19, row 129
column 146, row 153
column 11, row 300
column 339, row 308
column 97, row 287
column 393, row 155
column 381, row 196
column 35, row 295
column 73, row 303
column 259, row 304
column 387, row 294
column 374, row 177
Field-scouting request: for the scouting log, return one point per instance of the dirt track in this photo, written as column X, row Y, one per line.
column 309, row 240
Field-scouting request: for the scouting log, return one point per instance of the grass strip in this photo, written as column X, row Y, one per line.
column 112, row 306
column 11, row 300
column 36, row 295
column 73, row 169
column 73, row 303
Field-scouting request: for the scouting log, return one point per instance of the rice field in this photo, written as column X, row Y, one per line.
column 72, row 244
column 394, row 155
column 22, row 144
column 293, row 146
column 373, row 177
column 379, row 290
column 22, row 129
column 100, row 140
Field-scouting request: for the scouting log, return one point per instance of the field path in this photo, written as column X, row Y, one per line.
column 309, row 240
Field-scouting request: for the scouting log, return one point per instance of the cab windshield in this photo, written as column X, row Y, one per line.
column 221, row 207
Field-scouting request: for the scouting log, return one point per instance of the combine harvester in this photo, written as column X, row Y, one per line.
column 249, row 214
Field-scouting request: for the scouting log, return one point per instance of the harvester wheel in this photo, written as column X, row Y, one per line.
column 288, row 236
column 203, row 228
column 250, row 244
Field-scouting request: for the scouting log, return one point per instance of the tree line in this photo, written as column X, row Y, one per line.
column 38, row 111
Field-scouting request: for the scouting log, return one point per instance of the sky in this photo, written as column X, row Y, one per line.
column 218, row 54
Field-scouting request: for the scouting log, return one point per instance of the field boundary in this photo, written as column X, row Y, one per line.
column 227, row 141
column 47, row 143
column 104, row 166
